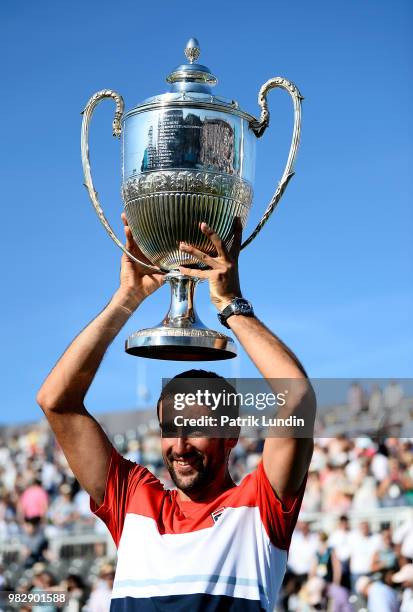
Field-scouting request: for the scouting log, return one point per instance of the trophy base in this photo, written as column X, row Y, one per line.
column 181, row 344
column 181, row 336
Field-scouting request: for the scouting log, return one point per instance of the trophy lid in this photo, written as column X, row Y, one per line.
column 192, row 76
column 190, row 87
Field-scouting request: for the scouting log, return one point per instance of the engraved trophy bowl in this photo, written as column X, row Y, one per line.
column 187, row 156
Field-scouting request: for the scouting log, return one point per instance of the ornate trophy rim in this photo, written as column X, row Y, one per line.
column 186, row 102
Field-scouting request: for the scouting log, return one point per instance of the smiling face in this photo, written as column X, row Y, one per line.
column 195, row 463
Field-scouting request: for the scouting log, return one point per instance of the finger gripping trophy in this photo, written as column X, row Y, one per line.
column 188, row 156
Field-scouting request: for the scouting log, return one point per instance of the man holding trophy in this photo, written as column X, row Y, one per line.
column 208, row 544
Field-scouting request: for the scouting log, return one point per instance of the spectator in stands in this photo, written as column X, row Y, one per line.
column 403, row 537
column 324, row 559
column 338, row 450
column 379, row 465
column 393, row 395
column 405, row 578
column 42, row 581
column 303, row 551
column 376, row 403
column 354, row 465
column 340, row 541
column 63, row 511
column 311, row 597
column 328, row 567
column 34, row 542
column 363, row 546
column 335, row 487
column 380, row 597
column 365, row 495
column 391, row 490
column 82, row 514
column 77, row 591
column 385, row 557
column 6, row 512
column 312, row 496
column 355, row 399
column 34, row 501
column 99, row 600
column 319, row 459
column 338, row 597
column 51, row 477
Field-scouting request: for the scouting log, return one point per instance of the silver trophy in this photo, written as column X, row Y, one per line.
column 187, row 156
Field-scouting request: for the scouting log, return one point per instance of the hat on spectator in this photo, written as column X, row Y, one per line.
column 405, row 574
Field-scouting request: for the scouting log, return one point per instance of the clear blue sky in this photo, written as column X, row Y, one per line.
column 332, row 271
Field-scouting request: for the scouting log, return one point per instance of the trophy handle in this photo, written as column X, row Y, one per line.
column 117, row 129
column 259, row 127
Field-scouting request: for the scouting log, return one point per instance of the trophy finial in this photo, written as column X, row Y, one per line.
column 192, row 50
column 192, row 77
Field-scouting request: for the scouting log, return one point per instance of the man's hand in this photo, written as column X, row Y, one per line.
column 135, row 283
column 223, row 274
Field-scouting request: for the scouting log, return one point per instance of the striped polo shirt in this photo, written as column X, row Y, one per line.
column 228, row 553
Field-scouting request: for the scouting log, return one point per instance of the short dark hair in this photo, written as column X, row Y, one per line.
column 172, row 384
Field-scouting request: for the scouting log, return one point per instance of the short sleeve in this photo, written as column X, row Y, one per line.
column 279, row 518
column 122, row 480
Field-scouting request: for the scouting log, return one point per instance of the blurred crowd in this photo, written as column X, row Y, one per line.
column 345, row 564
column 371, row 409
column 350, row 569
column 376, row 399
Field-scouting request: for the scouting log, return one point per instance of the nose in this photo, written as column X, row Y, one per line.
column 181, row 445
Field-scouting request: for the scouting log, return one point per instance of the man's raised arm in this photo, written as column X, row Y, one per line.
column 286, row 459
column 61, row 397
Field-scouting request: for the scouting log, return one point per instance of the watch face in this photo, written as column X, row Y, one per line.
column 238, row 306
column 243, row 306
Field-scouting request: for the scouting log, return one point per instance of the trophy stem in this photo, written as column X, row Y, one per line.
column 181, row 336
column 182, row 311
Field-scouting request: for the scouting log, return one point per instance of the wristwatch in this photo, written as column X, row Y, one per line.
column 238, row 306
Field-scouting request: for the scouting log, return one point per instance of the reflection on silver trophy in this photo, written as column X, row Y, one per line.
column 188, row 156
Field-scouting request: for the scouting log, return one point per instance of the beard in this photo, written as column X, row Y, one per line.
column 201, row 474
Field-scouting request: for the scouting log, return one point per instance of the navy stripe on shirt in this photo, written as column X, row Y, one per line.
column 194, row 602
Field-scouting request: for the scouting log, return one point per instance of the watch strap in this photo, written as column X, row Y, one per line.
column 238, row 306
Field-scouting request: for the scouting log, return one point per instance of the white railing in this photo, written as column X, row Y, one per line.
column 61, row 546
column 327, row 521
column 82, row 545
